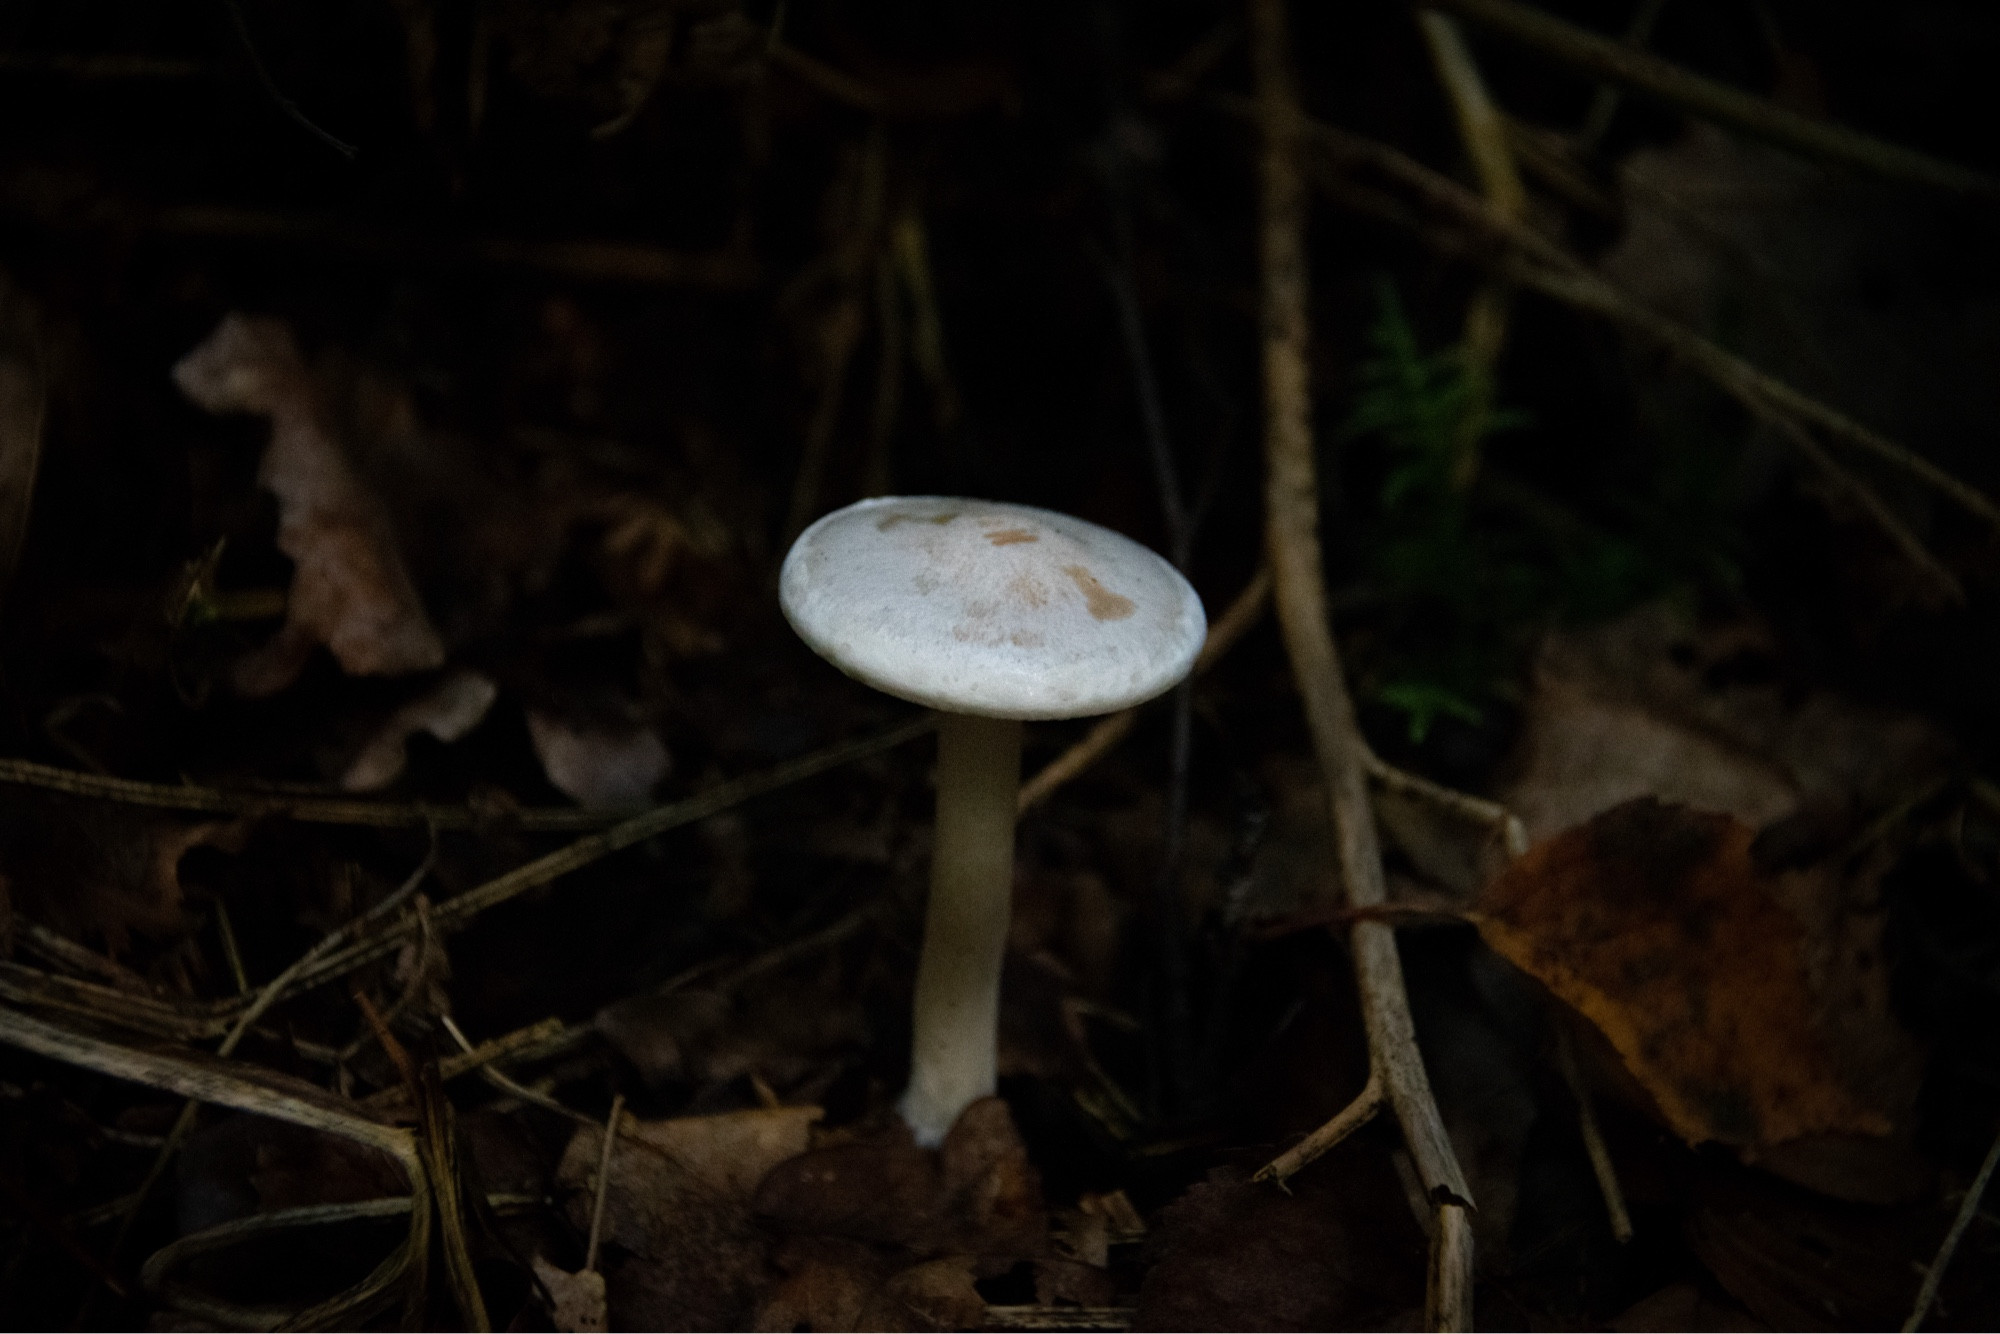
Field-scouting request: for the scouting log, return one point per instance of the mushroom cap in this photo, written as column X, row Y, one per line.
column 1002, row 611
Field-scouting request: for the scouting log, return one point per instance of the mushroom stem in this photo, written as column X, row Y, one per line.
column 955, row 1032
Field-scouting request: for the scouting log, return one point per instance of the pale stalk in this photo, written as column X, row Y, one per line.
column 955, row 1030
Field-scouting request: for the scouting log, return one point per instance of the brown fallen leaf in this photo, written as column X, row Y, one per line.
column 1236, row 1255
column 677, row 1209
column 578, row 1298
column 1798, row 1261
column 976, row 1193
column 938, row 1294
column 1655, row 923
column 96, row 872
column 827, row 1284
column 1654, row 705
column 1684, row 1307
column 350, row 588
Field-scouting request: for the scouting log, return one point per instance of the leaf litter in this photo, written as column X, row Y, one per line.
column 512, row 514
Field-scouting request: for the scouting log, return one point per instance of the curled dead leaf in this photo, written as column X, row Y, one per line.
column 1655, row 923
column 350, row 588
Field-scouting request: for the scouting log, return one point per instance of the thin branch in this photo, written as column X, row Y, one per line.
column 1471, row 809
column 1593, row 1138
column 1968, row 1209
column 1544, row 266
column 455, row 914
column 1483, row 130
column 1292, row 518
column 1604, row 105
column 1448, row 1292
column 1943, row 583
column 1607, row 58
column 1325, row 1139
column 603, row 1183
column 304, row 809
column 271, row 89
column 192, row 1022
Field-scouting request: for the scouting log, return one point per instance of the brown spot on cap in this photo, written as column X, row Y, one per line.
column 1007, row 537
column 1102, row 603
column 885, row 524
column 1028, row 592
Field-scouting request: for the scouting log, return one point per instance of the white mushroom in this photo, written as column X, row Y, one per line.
column 990, row 614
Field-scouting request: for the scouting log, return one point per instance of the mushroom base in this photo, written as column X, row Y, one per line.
column 955, row 1032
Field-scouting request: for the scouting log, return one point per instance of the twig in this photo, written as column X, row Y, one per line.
column 271, row 89
column 1559, row 275
column 305, row 810
column 471, row 1059
column 1323, row 1140
column 725, row 268
column 1101, row 739
column 60, row 949
column 1633, row 68
column 1483, row 130
column 1942, row 581
column 603, row 1183
column 1292, row 516
column 1593, row 1137
column 1604, row 105
column 269, row 995
column 244, row 1089
column 1544, row 266
column 1968, row 1209
column 1473, row 810
column 455, row 913
column 1755, row 389
column 1448, row 1290
column 508, row 1086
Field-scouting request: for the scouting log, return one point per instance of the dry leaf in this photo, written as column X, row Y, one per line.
column 448, row 711
column 598, row 767
column 100, row 872
column 1233, row 1255
column 677, row 1209
column 1655, row 923
column 1651, row 705
column 578, row 1298
column 350, row 588
column 1682, row 1307
column 975, row 1193
column 827, row 1284
column 1800, row 1262
column 938, row 1294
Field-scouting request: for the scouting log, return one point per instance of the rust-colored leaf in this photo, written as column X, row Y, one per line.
column 1655, row 923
